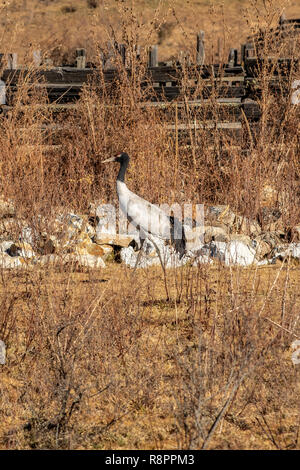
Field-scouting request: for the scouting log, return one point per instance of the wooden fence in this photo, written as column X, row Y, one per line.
column 230, row 86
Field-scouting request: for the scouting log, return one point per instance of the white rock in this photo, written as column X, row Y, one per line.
column 168, row 255
column 8, row 262
column 296, row 250
column 74, row 224
column 106, row 214
column 264, row 262
column 5, row 245
column 232, row 253
column 296, row 232
column 149, row 247
column 238, row 253
column 293, row 250
column 129, row 257
column 194, row 238
column 23, row 250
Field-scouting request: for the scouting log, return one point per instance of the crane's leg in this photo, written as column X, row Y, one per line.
column 162, row 265
column 139, row 255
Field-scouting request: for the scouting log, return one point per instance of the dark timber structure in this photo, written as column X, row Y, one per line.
column 232, row 87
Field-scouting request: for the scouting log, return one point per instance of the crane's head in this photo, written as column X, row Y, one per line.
column 120, row 158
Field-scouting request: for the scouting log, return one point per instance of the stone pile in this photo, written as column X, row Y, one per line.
column 89, row 240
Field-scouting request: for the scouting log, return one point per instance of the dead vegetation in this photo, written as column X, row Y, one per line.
column 99, row 359
column 95, row 363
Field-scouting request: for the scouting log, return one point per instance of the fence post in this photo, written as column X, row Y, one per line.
column 282, row 19
column 295, row 98
column 243, row 53
column 80, row 58
column 219, row 50
column 200, row 48
column 12, row 61
column 122, row 51
column 102, row 59
column 2, row 92
column 232, row 59
column 153, row 56
column 2, row 352
column 48, row 62
column 110, row 56
column 184, row 58
column 138, row 52
column 37, row 58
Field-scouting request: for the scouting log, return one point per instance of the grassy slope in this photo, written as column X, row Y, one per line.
column 49, row 24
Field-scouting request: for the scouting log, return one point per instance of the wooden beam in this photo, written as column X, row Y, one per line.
column 219, row 50
column 12, row 61
column 232, row 59
column 282, row 19
column 138, row 52
column 37, row 58
column 67, row 75
column 2, row 93
column 110, row 62
column 200, row 58
column 235, row 126
column 243, row 53
column 80, row 58
column 251, row 109
column 153, row 56
column 122, row 52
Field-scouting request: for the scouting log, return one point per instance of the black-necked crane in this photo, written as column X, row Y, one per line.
column 148, row 218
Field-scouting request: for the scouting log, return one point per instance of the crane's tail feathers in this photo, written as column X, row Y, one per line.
column 178, row 238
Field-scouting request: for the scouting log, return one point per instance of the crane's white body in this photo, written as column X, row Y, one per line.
column 149, row 219
column 146, row 217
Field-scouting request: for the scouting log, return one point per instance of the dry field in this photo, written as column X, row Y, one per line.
column 59, row 26
column 98, row 359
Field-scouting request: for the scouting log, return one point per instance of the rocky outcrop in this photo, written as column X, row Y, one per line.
column 85, row 241
column 113, row 239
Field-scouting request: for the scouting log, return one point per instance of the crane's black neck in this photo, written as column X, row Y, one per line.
column 124, row 160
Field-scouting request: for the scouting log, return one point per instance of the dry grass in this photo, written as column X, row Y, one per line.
column 54, row 27
column 99, row 359
column 95, row 363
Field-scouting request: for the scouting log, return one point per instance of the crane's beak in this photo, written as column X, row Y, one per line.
column 111, row 159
